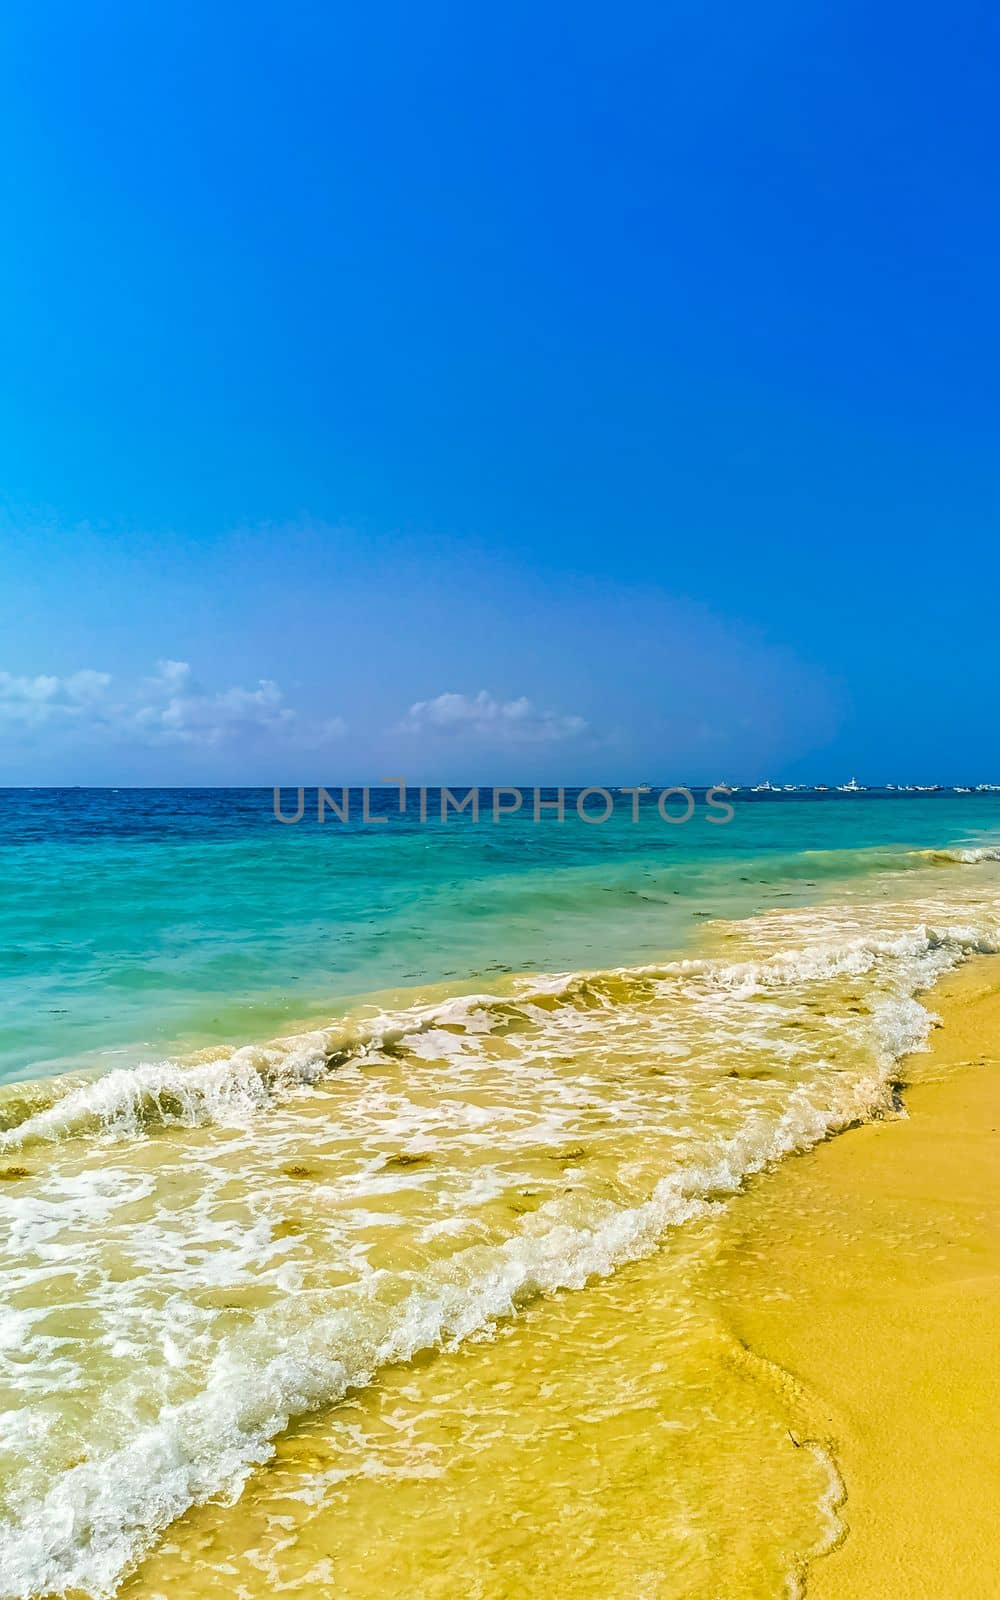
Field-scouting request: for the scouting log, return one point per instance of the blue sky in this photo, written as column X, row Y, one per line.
column 561, row 393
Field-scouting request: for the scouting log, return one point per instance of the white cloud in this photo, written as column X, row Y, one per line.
column 32, row 701
column 169, row 707
column 485, row 717
column 176, row 709
column 171, row 675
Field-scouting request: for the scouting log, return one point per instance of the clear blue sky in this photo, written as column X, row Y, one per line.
column 627, row 376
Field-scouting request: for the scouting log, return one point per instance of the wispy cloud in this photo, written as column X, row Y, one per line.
column 177, row 709
column 44, row 698
column 173, row 707
column 483, row 716
column 170, row 707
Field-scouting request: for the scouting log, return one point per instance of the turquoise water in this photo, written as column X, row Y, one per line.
column 138, row 924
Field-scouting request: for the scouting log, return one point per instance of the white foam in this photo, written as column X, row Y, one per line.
column 971, row 855
column 122, row 1104
column 232, row 1089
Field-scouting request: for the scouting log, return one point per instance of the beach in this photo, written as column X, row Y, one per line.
column 870, row 1270
column 517, row 1275
column 798, row 1396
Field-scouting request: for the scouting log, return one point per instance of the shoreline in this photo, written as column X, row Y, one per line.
column 694, row 1424
column 756, row 1408
column 868, row 1271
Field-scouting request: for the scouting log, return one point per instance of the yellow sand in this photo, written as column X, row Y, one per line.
column 870, row 1270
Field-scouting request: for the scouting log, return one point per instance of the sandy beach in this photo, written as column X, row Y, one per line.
column 869, row 1270
column 845, row 1318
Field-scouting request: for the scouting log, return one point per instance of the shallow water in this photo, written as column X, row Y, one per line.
column 613, row 1442
column 375, row 1283
column 143, row 923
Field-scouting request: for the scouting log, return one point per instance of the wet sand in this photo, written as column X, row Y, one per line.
column 870, row 1271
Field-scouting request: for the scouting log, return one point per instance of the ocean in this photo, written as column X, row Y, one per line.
column 335, row 1160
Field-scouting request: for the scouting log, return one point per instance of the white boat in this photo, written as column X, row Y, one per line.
column 765, row 788
column 854, row 787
